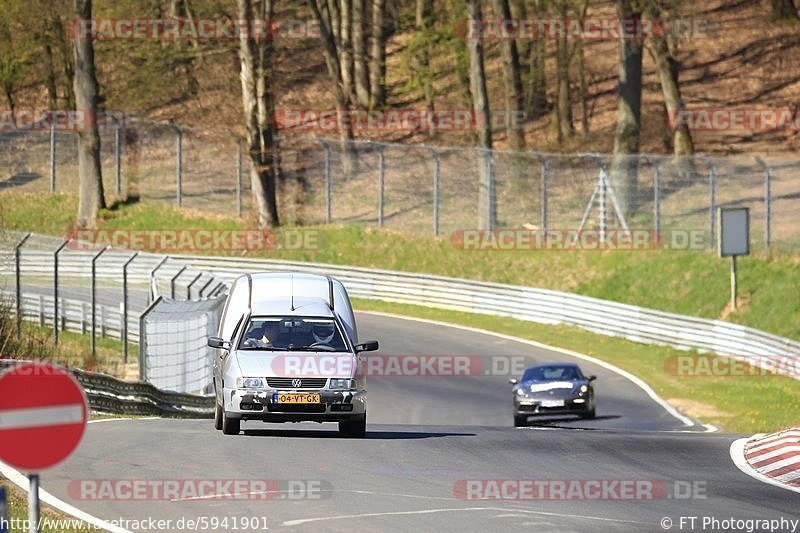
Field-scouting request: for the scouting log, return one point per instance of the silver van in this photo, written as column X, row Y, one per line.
column 288, row 351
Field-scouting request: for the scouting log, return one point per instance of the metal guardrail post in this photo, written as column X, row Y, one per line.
column 94, row 298
column 712, row 200
column 437, row 183
column 767, row 200
column 381, row 185
column 179, row 166
column 52, row 156
column 150, row 293
column 542, row 191
column 143, row 338
column 125, row 307
column 328, row 199
column 204, row 287
column 17, row 282
column 238, row 179
column 174, row 278
column 55, row 290
column 189, row 287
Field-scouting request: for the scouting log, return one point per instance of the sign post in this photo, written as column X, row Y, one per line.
column 3, row 511
column 733, row 239
column 43, row 414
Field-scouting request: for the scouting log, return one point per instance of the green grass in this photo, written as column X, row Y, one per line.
column 746, row 405
column 692, row 283
column 18, row 511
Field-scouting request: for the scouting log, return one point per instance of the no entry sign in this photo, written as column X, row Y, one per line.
column 42, row 416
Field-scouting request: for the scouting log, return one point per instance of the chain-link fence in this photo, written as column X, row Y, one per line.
column 423, row 189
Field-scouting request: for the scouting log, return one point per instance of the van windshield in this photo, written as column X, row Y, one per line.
column 292, row 333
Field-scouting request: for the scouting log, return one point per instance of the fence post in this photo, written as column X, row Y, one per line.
column 94, row 298
column 174, row 278
column 381, row 184
column 143, row 338
column 17, row 285
column 151, row 292
column 238, row 179
column 767, row 200
column 52, row 156
column 179, row 165
column 328, row 206
column 55, row 290
column 118, row 157
column 712, row 200
column 125, row 307
column 656, row 196
column 437, row 176
column 543, row 191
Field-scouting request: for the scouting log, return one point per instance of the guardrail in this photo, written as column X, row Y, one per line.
column 542, row 306
column 107, row 394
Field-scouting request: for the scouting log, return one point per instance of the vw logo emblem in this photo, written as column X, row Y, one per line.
column 297, row 382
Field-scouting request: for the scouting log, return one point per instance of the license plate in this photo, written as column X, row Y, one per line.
column 296, row 397
column 552, row 403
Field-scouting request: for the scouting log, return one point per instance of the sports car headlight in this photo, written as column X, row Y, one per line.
column 337, row 383
column 250, row 383
column 520, row 392
column 584, row 388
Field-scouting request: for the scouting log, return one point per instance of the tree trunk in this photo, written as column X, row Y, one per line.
column 565, row 128
column 423, row 28
column 377, row 59
column 512, row 82
column 487, row 210
column 345, row 47
column 326, row 17
column 91, row 194
column 50, row 73
column 582, row 88
column 360, row 64
column 625, row 163
column 255, row 63
column 783, row 10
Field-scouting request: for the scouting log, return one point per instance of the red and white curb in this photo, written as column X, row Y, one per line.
column 773, row 458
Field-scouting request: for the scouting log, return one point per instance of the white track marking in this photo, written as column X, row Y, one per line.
column 686, row 421
column 737, row 455
column 22, row 482
column 302, row 521
column 32, row 417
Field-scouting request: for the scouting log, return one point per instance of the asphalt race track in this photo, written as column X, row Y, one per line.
column 425, row 436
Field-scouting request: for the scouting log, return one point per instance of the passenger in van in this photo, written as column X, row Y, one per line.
column 265, row 336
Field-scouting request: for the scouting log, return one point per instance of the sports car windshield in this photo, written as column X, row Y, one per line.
column 552, row 373
column 292, row 334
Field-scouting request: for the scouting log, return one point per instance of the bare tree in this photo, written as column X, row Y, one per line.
column 668, row 69
column 91, row 193
column 360, row 63
column 512, row 82
column 625, row 163
column 255, row 55
column 377, row 55
column 421, row 43
column 563, row 111
column 783, row 10
column 480, row 106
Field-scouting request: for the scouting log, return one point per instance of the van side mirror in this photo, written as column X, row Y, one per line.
column 216, row 342
column 367, row 346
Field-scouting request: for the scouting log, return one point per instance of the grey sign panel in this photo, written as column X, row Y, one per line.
column 734, row 231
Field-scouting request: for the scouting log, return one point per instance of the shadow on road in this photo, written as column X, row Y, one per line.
column 371, row 435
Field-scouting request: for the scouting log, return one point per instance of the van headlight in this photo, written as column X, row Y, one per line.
column 336, row 383
column 250, row 383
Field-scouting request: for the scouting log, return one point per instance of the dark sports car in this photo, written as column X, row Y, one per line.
column 552, row 389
